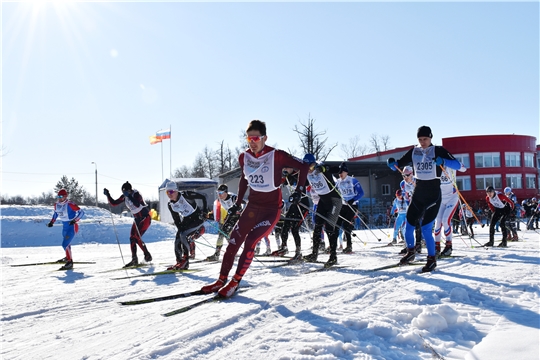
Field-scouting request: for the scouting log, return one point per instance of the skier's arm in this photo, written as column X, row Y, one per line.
column 243, row 184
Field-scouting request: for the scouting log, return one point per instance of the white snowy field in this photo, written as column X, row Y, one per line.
column 484, row 305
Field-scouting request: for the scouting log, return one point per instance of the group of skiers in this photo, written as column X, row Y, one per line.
column 425, row 204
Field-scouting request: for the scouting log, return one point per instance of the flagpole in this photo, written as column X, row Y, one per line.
column 162, row 178
column 170, row 152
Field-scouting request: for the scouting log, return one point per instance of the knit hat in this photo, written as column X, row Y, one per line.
column 343, row 167
column 309, row 159
column 171, row 185
column 424, row 131
column 62, row 192
column 126, row 186
column 223, row 187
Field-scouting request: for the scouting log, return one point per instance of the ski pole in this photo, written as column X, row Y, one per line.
column 328, row 220
column 350, row 207
column 117, row 240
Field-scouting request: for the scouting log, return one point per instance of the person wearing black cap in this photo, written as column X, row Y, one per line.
column 222, row 205
column 135, row 203
column 427, row 160
column 501, row 207
column 328, row 208
column 351, row 191
column 294, row 212
column 189, row 211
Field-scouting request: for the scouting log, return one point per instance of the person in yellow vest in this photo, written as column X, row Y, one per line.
column 154, row 214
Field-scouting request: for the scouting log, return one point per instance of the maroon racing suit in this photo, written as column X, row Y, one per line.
column 263, row 208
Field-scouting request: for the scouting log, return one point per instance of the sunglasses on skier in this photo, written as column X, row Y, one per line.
column 170, row 192
column 221, row 192
column 406, row 175
column 60, row 196
column 254, row 138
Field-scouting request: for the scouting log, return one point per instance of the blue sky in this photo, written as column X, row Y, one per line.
column 90, row 82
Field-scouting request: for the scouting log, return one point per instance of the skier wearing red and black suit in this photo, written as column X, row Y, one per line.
column 501, row 207
column 262, row 171
column 135, row 203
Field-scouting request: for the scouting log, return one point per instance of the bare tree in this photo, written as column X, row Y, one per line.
column 311, row 140
column 199, row 167
column 182, row 172
column 379, row 143
column 224, row 158
column 209, row 157
column 353, row 148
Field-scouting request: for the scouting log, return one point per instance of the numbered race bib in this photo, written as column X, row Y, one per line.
column 62, row 211
column 259, row 172
column 183, row 207
column 346, row 188
column 318, row 183
column 424, row 167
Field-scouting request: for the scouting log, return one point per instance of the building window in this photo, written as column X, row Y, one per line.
column 514, row 181
column 464, row 159
column 528, row 159
column 484, row 160
column 512, row 159
column 483, row 181
column 463, row 183
column 385, row 189
column 530, row 181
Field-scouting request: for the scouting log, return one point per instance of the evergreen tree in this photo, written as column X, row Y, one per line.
column 76, row 192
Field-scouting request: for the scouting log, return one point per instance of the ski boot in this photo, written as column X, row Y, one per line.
column 283, row 250
column 447, row 251
column 430, row 265
column 408, row 257
column 212, row 288
column 147, row 256
column 331, row 261
column 183, row 264
column 134, row 262
column 67, row 266
column 230, row 288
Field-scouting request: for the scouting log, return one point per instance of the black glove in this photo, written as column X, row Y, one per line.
column 203, row 215
column 392, row 163
column 320, row 168
column 106, row 192
column 295, row 198
column 233, row 210
column 351, row 202
column 50, row 224
column 72, row 222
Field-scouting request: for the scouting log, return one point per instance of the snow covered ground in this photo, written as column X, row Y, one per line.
column 484, row 305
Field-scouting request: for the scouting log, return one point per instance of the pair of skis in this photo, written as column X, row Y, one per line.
column 213, row 298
